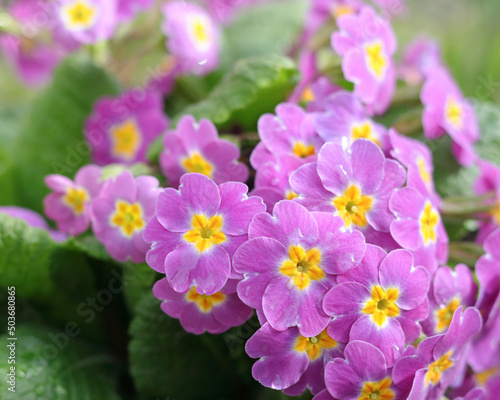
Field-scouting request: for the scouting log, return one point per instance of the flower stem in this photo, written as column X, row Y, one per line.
column 465, row 252
column 466, row 207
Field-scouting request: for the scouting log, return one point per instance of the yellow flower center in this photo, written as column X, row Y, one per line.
column 290, row 195
column 422, row 170
column 444, row 315
column 27, row 45
column 200, row 31
column 79, row 14
column 454, row 112
column 434, row 371
column 205, row 232
column 314, row 346
column 196, row 163
column 428, row 223
column 483, row 377
column 364, row 131
column 125, row 140
column 341, row 9
column 203, row 301
column 302, row 150
column 353, row 206
column 377, row 390
column 128, row 217
column 376, row 58
column 382, row 304
column 307, row 95
column 302, row 266
column 76, row 199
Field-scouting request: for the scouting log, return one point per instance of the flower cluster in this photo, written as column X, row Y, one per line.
column 43, row 32
column 193, row 237
column 336, row 237
column 120, row 130
column 118, row 208
column 196, row 147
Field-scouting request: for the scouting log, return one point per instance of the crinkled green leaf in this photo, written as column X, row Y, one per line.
column 74, row 283
column 168, row 361
column 25, row 257
column 254, row 86
column 89, row 245
column 268, row 27
column 55, row 276
column 51, row 140
column 7, row 179
column 459, row 183
column 51, row 365
column 256, row 31
column 488, row 146
column 10, row 119
column 140, row 279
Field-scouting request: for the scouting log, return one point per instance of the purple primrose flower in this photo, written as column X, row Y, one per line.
column 380, row 302
column 198, row 313
column 439, row 360
column 353, row 183
column 120, row 213
column 345, row 120
column 87, row 21
column 121, row 129
column 291, row 261
column 366, row 43
column 196, row 147
column 69, row 202
column 290, row 361
column 196, row 231
column 192, row 37
column 446, row 110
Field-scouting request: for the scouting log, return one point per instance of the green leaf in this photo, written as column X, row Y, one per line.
column 256, row 31
column 53, row 365
column 25, row 257
column 89, row 245
column 51, row 140
column 168, row 361
column 453, row 180
column 140, row 279
column 55, row 276
column 269, row 27
column 10, row 119
column 7, row 179
column 74, row 284
column 255, row 86
column 488, row 147
column 459, row 183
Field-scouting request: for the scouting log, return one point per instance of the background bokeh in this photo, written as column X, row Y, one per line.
column 469, row 33
column 468, row 30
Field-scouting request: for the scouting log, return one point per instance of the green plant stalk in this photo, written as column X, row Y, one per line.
column 410, row 123
column 466, row 207
column 9, row 25
column 405, row 95
column 322, row 38
column 465, row 252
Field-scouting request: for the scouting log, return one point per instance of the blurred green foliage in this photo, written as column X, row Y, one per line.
column 469, row 36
